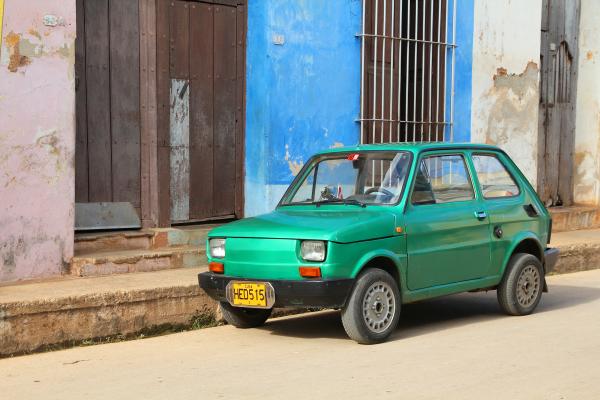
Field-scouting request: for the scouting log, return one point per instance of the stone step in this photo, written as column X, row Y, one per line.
column 574, row 218
column 579, row 250
column 190, row 235
column 107, row 241
column 137, row 260
column 71, row 309
column 156, row 238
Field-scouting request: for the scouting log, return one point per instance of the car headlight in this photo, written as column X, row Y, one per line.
column 313, row 250
column 217, row 248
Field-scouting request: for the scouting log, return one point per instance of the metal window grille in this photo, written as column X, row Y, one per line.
column 407, row 70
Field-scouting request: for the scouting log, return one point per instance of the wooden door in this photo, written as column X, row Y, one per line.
column 206, row 83
column 107, row 153
column 559, row 52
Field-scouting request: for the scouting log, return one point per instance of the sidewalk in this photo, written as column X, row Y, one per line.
column 72, row 309
column 579, row 250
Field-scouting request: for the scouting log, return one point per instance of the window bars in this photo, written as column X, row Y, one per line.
column 407, row 70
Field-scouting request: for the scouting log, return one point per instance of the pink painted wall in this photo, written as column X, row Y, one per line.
column 37, row 138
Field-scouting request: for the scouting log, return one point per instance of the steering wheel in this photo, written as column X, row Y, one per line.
column 379, row 190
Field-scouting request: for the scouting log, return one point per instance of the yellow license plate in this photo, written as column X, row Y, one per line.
column 250, row 294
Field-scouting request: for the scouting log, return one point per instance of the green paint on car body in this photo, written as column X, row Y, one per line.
column 435, row 248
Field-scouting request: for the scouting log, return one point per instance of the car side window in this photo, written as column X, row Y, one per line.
column 494, row 179
column 442, row 179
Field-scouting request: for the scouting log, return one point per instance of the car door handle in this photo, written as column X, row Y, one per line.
column 480, row 215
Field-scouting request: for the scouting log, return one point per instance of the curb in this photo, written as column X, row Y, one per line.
column 27, row 327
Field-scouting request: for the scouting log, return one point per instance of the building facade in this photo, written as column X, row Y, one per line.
column 144, row 113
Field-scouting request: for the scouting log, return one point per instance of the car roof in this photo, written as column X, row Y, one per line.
column 414, row 147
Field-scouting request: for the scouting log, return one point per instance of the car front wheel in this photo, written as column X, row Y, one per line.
column 241, row 317
column 373, row 310
column 521, row 288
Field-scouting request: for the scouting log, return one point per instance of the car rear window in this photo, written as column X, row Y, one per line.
column 494, row 179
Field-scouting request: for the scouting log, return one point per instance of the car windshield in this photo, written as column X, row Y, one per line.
column 361, row 178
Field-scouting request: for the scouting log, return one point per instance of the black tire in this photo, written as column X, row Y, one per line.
column 374, row 297
column 244, row 318
column 521, row 288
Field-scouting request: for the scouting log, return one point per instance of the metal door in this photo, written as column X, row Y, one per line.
column 559, row 52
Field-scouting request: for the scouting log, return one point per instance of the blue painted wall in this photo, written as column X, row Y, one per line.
column 304, row 95
column 463, row 71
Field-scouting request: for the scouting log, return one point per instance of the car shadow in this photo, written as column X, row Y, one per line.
column 430, row 316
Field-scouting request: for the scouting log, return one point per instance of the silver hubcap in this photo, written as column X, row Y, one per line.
column 379, row 307
column 528, row 286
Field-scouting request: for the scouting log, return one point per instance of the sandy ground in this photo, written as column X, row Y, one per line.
column 454, row 347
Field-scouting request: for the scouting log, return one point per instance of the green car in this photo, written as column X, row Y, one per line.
column 366, row 229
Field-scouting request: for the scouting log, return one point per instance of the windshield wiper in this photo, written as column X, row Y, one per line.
column 341, row 201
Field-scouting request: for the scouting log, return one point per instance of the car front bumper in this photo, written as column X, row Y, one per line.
column 329, row 293
column 550, row 259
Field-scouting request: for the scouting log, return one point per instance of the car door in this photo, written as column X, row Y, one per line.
column 446, row 224
column 509, row 211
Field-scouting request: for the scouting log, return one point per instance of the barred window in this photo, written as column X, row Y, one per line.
column 407, row 70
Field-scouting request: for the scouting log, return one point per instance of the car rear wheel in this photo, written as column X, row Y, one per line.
column 372, row 312
column 241, row 317
column 521, row 288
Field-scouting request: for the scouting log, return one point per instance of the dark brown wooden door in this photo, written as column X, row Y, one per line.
column 560, row 26
column 107, row 153
column 206, row 85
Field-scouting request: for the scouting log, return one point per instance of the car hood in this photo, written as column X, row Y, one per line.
column 339, row 225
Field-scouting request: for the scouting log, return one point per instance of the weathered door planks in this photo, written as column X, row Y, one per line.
column 125, row 100
column 148, row 127
column 180, row 149
column 202, row 107
column 203, row 51
column 108, row 101
column 129, row 54
column 97, row 64
column 81, row 142
column 224, row 110
column 559, row 54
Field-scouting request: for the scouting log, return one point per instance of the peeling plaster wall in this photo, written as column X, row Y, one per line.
column 587, row 119
column 506, row 53
column 303, row 89
column 37, row 138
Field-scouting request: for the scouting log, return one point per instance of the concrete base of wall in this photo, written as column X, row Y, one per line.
column 575, row 218
column 34, row 316
column 40, row 314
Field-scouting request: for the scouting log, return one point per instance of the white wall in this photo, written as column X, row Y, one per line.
column 587, row 121
column 505, row 95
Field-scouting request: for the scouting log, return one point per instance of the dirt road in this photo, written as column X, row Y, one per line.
column 455, row 347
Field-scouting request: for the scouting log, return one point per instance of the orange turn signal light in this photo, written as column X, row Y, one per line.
column 310, row 272
column 216, row 267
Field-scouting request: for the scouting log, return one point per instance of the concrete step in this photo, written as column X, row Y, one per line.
column 72, row 309
column 156, row 238
column 579, row 250
column 574, row 218
column 144, row 260
column 107, row 241
column 190, row 235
